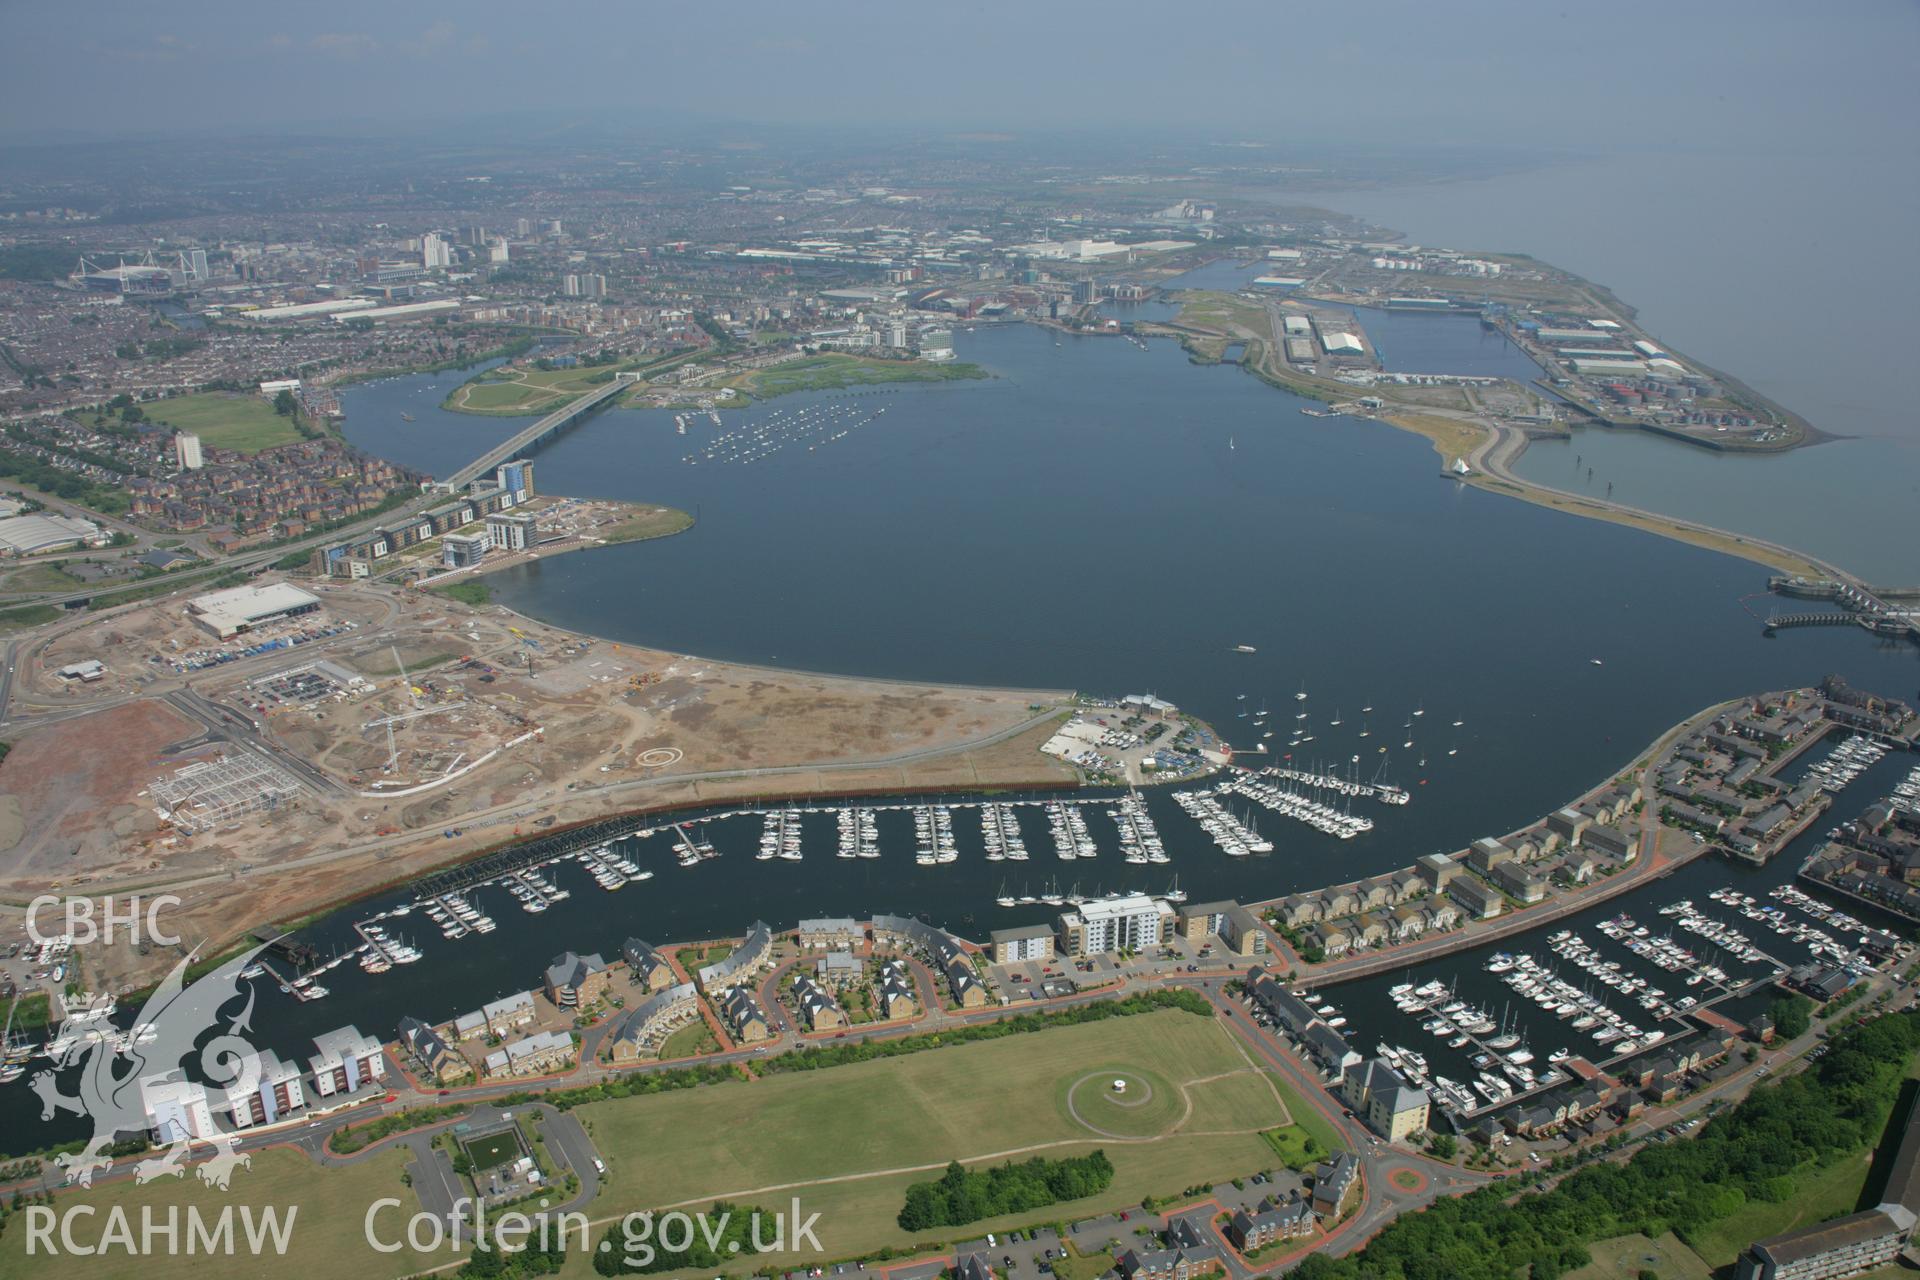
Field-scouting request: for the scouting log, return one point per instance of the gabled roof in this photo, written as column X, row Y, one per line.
column 569, row 970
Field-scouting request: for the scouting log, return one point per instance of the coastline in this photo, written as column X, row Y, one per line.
column 591, row 827
column 1493, row 459
column 672, row 521
column 1003, row 755
column 747, row 385
column 1490, row 447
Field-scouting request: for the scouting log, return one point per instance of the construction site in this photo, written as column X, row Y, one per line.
column 393, row 731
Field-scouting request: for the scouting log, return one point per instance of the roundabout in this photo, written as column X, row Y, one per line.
column 1124, row 1102
column 1408, row 1179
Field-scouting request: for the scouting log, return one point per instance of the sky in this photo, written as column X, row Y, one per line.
column 1755, row 75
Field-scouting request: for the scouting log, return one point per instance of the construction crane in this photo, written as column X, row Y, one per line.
column 404, row 716
column 406, row 681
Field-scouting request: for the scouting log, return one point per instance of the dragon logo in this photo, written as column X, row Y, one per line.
column 118, row 1070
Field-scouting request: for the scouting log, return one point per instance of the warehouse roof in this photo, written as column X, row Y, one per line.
column 24, row 535
column 239, row 607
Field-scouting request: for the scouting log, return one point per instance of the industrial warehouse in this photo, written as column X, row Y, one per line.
column 225, row 614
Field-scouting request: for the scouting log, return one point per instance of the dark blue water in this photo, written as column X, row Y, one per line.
column 1102, row 518
column 1374, row 1017
column 436, row 441
column 1684, row 238
column 1442, row 342
column 1224, row 275
column 1108, row 519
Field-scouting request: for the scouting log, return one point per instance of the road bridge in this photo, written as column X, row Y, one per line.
column 525, row 442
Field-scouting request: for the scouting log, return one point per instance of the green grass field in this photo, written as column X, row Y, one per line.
column 1148, row 1106
column 326, row 1243
column 693, row 958
column 491, row 1150
column 245, row 423
column 1625, row 1257
column 849, row 1140
column 24, row 616
column 1082, row 1266
column 47, row 576
column 695, row 1037
column 1307, row 1117
column 503, row 397
column 655, row 522
column 1291, row 1144
column 834, row 372
column 1821, row 1194
column 467, row 592
column 846, row 1142
column 527, row 390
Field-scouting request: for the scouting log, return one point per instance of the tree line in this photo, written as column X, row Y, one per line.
column 625, row 1249
column 814, row 1058
column 1758, row 1151
column 960, row 1196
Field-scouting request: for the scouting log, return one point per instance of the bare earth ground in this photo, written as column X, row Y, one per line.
column 74, row 794
column 572, row 742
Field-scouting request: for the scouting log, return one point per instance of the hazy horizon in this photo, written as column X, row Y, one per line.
column 1638, row 76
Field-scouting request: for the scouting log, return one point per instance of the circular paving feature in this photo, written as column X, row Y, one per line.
column 1124, row 1102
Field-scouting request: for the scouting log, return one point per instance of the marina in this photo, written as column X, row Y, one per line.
column 1712, row 937
column 1538, row 732
column 1288, row 799
column 814, row 426
column 1578, row 990
column 459, row 907
column 1639, row 988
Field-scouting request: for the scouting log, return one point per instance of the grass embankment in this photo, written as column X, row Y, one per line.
column 1452, row 438
column 1731, row 544
column 694, row 1038
column 468, row 592
column 1818, row 1195
column 832, row 371
column 650, row 522
column 518, row 391
column 49, row 576
column 27, row 616
column 327, row 1240
column 849, row 1140
column 1629, row 1257
column 226, row 420
column 29, row 1012
column 461, row 359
